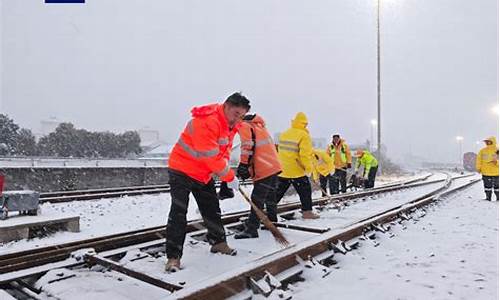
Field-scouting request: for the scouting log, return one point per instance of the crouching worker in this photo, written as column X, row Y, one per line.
column 259, row 161
column 202, row 150
column 370, row 167
column 323, row 167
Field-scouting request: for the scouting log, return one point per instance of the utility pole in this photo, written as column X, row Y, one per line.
column 379, row 119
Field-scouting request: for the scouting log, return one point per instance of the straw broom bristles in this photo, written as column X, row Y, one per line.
column 277, row 234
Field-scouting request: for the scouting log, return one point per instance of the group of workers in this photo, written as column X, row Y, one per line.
column 203, row 150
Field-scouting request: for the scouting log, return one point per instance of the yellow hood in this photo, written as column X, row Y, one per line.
column 300, row 121
column 492, row 139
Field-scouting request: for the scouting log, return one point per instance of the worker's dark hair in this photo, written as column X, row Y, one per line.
column 238, row 100
column 249, row 117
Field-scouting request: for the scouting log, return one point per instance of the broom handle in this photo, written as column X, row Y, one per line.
column 314, row 182
column 257, row 210
column 322, row 189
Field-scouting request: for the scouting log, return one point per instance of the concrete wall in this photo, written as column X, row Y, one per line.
column 67, row 178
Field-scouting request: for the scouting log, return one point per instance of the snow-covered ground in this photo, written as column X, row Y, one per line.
column 117, row 215
column 196, row 255
column 451, row 253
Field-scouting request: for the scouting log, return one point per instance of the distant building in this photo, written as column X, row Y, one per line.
column 149, row 137
column 161, row 150
column 48, row 126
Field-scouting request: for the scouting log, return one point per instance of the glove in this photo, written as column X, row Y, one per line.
column 349, row 165
column 234, row 184
column 243, row 172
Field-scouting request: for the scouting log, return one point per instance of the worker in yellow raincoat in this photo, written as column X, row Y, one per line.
column 487, row 165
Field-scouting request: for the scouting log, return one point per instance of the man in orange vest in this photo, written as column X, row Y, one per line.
column 259, row 161
column 202, row 151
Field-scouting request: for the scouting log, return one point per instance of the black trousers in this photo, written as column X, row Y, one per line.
column 339, row 177
column 264, row 192
column 323, row 182
column 490, row 185
column 208, row 203
column 371, row 177
column 302, row 186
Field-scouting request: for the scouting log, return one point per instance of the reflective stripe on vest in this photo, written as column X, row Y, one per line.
column 258, row 143
column 223, row 141
column 264, row 142
column 290, row 143
column 289, row 146
column 246, row 152
column 197, row 154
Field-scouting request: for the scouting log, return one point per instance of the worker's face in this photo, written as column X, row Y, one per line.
column 335, row 139
column 234, row 114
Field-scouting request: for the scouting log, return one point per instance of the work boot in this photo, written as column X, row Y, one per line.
column 488, row 195
column 225, row 192
column 173, row 265
column 309, row 214
column 223, row 248
column 247, row 234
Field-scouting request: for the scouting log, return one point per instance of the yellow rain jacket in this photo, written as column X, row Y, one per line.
column 340, row 153
column 323, row 164
column 295, row 149
column 487, row 159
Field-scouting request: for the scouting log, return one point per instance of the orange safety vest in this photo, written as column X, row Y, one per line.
column 258, row 150
column 204, row 146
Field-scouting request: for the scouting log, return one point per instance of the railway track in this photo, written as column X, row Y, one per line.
column 30, row 258
column 17, row 266
column 95, row 194
column 268, row 273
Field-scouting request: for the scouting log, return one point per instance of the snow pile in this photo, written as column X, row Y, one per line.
column 452, row 253
column 80, row 284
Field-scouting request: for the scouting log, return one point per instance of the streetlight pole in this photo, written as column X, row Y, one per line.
column 372, row 141
column 460, row 140
column 379, row 138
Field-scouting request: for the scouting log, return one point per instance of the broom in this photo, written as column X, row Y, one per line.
column 317, row 185
column 330, row 197
column 278, row 235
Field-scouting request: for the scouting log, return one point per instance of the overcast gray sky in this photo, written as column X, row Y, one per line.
column 125, row 64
